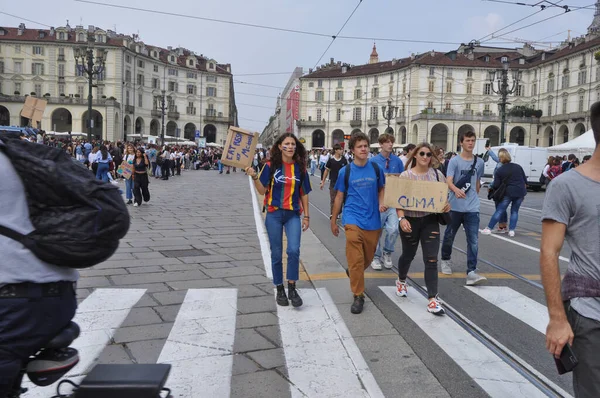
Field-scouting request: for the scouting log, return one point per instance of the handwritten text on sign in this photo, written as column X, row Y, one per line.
column 425, row 196
column 239, row 148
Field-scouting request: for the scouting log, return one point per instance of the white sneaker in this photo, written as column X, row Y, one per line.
column 376, row 264
column 387, row 260
column 473, row 278
column 511, row 234
column 135, row 205
column 401, row 288
column 446, row 267
column 486, row 231
column 435, row 306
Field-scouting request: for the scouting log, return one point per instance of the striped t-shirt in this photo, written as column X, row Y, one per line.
column 429, row 176
column 284, row 190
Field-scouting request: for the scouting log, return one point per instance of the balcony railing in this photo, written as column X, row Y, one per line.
column 373, row 122
column 129, row 109
column 61, row 57
column 210, row 112
column 216, row 119
column 475, row 118
column 355, row 123
column 156, row 113
column 564, row 117
column 310, row 123
column 62, row 100
column 190, row 110
column 173, row 115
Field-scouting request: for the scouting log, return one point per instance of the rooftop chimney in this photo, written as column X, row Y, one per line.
column 52, row 31
column 21, row 29
column 344, row 69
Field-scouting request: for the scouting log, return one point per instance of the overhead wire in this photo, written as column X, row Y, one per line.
column 337, row 34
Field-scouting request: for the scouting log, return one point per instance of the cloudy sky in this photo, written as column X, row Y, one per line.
column 274, row 54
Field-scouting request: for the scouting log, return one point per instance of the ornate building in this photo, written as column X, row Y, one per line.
column 440, row 95
column 127, row 95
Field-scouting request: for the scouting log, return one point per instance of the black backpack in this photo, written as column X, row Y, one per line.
column 347, row 178
column 78, row 219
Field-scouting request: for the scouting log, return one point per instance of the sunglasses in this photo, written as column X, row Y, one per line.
column 423, row 154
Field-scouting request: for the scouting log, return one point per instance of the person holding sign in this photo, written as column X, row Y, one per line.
column 416, row 226
column 285, row 183
column 464, row 179
column 360, row 192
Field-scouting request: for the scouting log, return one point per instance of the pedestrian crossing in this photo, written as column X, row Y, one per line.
column 321, row 356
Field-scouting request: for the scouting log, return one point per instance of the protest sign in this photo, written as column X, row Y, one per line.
column 33, row 109
column 201, row 141
column 239, row 148
column 406, row 194
column 125, row 169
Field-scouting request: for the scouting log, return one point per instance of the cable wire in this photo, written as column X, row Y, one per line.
column 337, row 34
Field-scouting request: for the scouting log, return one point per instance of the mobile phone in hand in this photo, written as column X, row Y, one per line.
column 567, row 361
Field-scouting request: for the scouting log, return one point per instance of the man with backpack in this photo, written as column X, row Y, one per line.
column 37, row 299
column 464, row 179
column 55, row 217
column 360, row 192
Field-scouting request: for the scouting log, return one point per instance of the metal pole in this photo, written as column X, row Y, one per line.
column 90, row 73
column 162, row 131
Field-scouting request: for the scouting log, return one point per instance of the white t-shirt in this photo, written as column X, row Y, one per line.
column 324, row 158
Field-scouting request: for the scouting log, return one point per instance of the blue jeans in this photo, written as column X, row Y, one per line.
column 275, row 222
column 313, row 166
column 501, row 209
column 129, row 188
column 471, row 224
column 102, row 172
column 389, row 232
column 220, row 166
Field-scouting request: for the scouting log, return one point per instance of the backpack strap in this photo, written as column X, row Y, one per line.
column 377, row 172
column 346, row 182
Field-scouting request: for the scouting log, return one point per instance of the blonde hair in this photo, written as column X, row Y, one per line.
column 504, row 156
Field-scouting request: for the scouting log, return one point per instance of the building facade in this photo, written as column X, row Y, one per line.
column 437, row 96
column 127, row 95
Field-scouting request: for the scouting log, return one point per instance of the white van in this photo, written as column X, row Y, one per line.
column 531, row 159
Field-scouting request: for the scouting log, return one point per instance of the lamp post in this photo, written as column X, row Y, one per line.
column 389, row 112
column 92, row 65
column 501, row 78
column 162, row 100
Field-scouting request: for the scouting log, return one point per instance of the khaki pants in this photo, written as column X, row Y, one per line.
column 360, row 250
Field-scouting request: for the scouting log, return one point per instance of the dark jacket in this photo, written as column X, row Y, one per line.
column 516, row 184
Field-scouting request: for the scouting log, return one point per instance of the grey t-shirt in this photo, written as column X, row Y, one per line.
column 457, row 167
column 17, row 263
column 574, row 200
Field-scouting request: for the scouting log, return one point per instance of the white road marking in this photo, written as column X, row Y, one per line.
column 98, row 317
column 514, row 242
column 263, row 238
column 492, row 374
column 200, row 345
column 516, row 304
column 491, row 203
column 321, row 356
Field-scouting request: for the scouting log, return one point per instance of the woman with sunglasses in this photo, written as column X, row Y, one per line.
column 421, row 227
column 285, row 183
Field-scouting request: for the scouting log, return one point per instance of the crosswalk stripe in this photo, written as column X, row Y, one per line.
column 492, row 374
column 516, row 304
column 200, row 345
column 98, row 317
column 321, row 356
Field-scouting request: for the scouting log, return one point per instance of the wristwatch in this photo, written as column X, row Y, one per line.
column 401, row 218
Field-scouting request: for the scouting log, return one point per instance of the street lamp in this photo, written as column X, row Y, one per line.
column 92, row 65
column 389, row 113
column 162, row 100
column 501, row 77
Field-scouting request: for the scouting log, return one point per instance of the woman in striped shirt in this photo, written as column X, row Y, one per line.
column 285, row 183
column 421, row 227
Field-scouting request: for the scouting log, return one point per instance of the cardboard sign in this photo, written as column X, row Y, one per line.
column 406, row 194
column 34, row 109
column 239, row 148
column 201, row 141
column 125, row 169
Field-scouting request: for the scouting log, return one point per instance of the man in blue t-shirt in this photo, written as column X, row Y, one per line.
column 390, row 164
column 464, row 181
column 361, row 218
